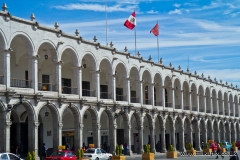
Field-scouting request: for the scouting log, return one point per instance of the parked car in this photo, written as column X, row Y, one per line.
column 226, row 145
column 97, row 154
column 9, row 156
column 62, row 155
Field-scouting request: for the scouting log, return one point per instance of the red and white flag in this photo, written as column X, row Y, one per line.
column 155, row 30
column 131, row 21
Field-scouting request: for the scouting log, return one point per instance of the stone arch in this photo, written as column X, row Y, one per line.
column 157, row 81
column 236, row 109
column 208, row 101
column 188, row 130
column 216, row 131
column 170, row 123
column 90, row 57
column 227, row 132
column 52, row 49
column 231, row 109
column 26, row 39
column 233, row 132
column 168, row 94
column 222, row 130
column 147, row 88
column 3, row 114
column 121, row 82
column 122, row 66
column 226, row 109
column 3, row 46
column 73, row 53
column 237, row 131
column 179, row 130
column 203, row 134
column 107, row 63
column 209, row 129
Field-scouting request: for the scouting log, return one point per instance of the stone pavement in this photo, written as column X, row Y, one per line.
column 162, row 156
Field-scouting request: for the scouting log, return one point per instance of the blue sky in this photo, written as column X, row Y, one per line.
column 208, row 32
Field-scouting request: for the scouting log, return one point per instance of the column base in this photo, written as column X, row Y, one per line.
column 141, row 151
column 153, row 151
column 130, row 153
column 163, row 150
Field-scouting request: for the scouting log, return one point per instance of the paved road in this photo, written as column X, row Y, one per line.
column 162, row 156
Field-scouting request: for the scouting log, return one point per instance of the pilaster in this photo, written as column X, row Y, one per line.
column 140, row 135
column 163, row 143
column 152, row 134
column 96, row 135
column 7, row 70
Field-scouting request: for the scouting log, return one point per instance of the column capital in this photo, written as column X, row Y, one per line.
column 152, row 127
column 140, row 128
column 36, row 124
column 114, row 126
column 60, row 124
column 8, row 123
column 81, row 125
column 99, row 126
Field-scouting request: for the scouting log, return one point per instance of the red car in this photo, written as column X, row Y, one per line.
column 238, row 144
column 213, row 146
column 62, row 155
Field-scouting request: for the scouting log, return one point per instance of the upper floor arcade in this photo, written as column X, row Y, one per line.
column 57, row 64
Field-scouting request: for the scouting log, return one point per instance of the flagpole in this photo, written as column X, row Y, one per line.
column 158, row 42
column 106, row 24
column 135, row 38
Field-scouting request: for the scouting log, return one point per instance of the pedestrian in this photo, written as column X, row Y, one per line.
column 122, row 148
column 219, row 150
column 17, row 151
column 126, row 148
column 233, row 154
column 44, row 151
column 68, row 146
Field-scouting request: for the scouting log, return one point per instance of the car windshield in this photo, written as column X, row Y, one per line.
column 59, row 154
column 90, row 151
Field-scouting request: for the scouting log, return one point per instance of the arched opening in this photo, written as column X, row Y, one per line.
column 135, row 123
column 216, row 131
column 194, row 97
column 186, row 96
column 178, row 132
column 69, row 79
column 203, row 137
column 134, row 86
column 177, row 94
column 231, row 108
column 158, row 91
column 226, row 109
column 209, row 130
column 168, row 94
column 105, row 132
column 236, row 106
column 121, row 82
column 227, row 133
column 20, row 71
column 169, row 133
column 208, row 101
column 201, row 99
column 220, row 103
column 106, row 79
column 222, row 131
column 187, row 132
column 46, row 67
column 160, row 134
column 88, row 76
column 214, row 101
column 147, row 88
column 2, row 47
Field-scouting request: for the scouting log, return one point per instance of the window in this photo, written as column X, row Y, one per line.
column 66, row 86
column 86, row 88
column 104, row 91
column 103, row 151
column 45, row 83
column 4, row 156
column 69, row 154
column 13, row 157
column 98, row 151
column 119, row 94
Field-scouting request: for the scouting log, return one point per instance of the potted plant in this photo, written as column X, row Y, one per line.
column 33, row 155
column 80, row 154
column 171, row 153
column 190, row 150
column 234, row 146
column 223, row 150
column 147, row 155
column 118, row 155
column 206, row 149
column 29, row 156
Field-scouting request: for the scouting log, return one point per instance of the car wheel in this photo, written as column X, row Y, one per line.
column 97, row 158
column 110, row 158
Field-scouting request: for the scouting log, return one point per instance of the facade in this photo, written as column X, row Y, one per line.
column 57, row 88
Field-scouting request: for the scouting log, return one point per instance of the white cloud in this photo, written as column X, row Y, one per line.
column 152, row 12
column 96, row 7
column 176, row 11
column 235, row 14
column 176, row 5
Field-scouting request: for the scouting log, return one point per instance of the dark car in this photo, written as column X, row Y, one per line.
column 62, row 155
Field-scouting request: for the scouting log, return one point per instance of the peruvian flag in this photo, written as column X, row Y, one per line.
column 155, row 30
column 131, row 21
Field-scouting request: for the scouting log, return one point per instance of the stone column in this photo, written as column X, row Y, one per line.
column 211, row 135
column 6, row 144
column 216, row 107
column 58, row 81
column 218, row 135
column 78, row 80
column 140, row 136
column 181, row 99
column 95, row 83
column 198, row 141
column 162, row 89
column 113, row 87
column 172, row 97
column 113, row 138
column 173, row 142
column 57, row 135
column 7, row 69
column 190, row 137
column 204, row 103
column 151, row 97
column 33, row 136
column 152, row 134
column 197, row 102
column 181, row 140
column 33, row 73
column 78, row 133
column 127, row 136
column 128, row 90
column 205, row 133
column 163, row 141
column 190, row 101
column 140, row 94
column 96, row 135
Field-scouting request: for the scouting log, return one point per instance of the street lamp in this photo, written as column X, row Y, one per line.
column 121, row 112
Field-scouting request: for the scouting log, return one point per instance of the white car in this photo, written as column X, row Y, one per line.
column 96, row 154
column 9, row 156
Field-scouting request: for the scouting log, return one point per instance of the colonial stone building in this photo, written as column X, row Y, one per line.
column 57, row 88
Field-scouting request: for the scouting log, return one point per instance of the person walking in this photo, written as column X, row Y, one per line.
column 126, row 148
column 233, row 154
column 44, row 151
column 219, row 151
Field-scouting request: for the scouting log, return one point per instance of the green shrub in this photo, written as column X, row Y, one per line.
column 206, row 146
column 80, row 154
column 29, row 156
column 118, row 150
column 233, row 144
column 33, row 155
column 171, row 149
column 147, row 148
column 190, row 146
column 221, row 145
